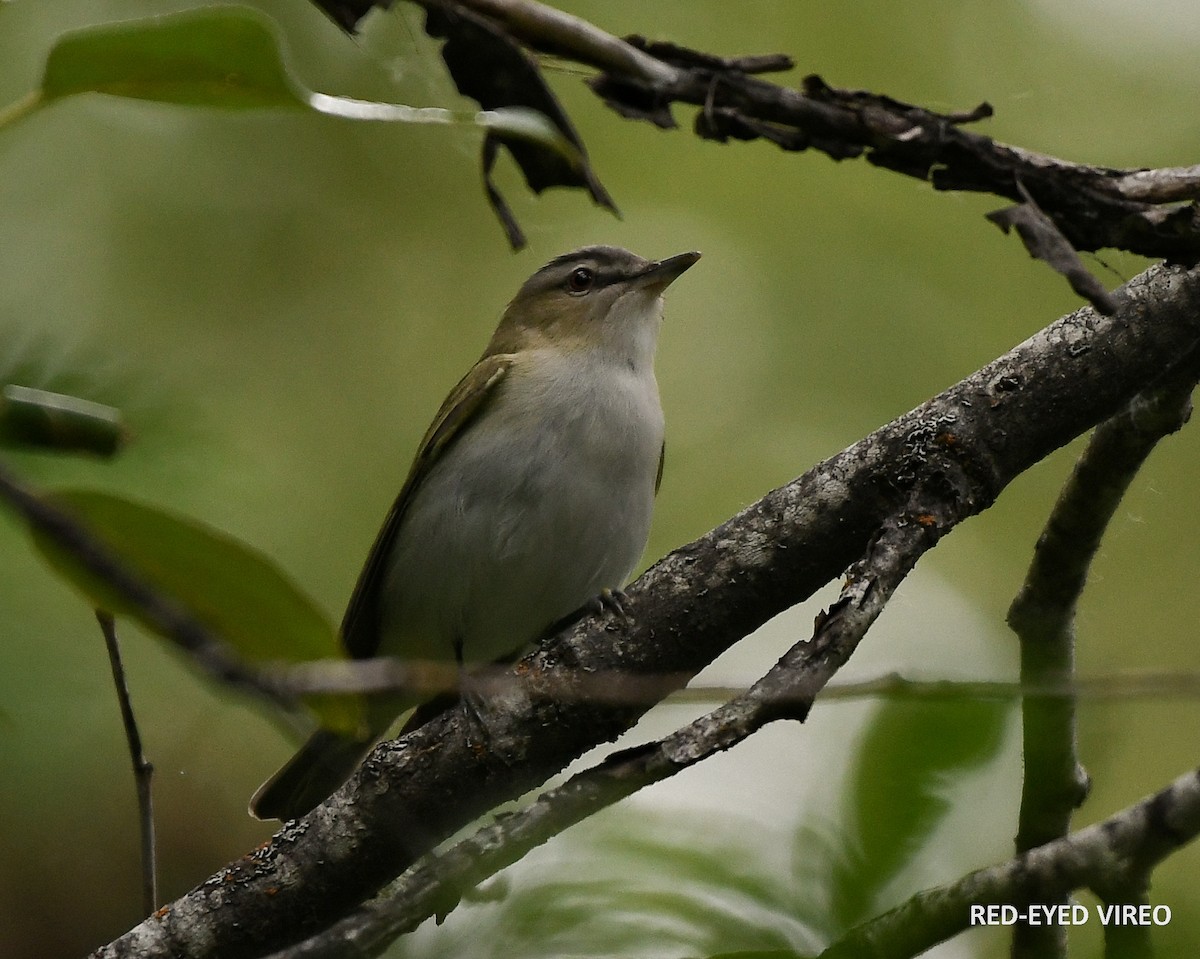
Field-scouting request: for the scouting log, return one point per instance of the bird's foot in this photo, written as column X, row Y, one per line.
column 474, row 705
column 610, row 603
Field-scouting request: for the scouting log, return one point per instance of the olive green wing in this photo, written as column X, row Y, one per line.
column 360, row 626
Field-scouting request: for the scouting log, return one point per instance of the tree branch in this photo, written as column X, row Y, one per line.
column 1043, row 616
column 1144, row 833
column 786, row 691
column 960, row 450
column 553, row 31
column 1080, row 206
column 1060, row 208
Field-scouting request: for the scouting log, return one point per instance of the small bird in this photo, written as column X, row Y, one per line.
column 529, row 497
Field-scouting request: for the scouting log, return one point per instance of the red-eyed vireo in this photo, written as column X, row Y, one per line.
column 530, row 495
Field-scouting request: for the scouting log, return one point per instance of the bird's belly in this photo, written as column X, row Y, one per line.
column 509, row 534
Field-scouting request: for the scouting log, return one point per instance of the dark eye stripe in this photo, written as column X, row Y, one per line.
column 601, row 277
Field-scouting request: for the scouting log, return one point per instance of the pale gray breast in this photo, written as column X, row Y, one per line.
column 541, row 504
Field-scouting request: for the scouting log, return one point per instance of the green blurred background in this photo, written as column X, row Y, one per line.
column 279, row 302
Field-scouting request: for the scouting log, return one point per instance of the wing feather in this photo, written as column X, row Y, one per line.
column 360, row 625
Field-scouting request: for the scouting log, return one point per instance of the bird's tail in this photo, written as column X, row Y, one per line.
column 308, row 778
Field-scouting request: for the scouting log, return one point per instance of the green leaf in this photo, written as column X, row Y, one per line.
column 687, row 881
column 912, row 753
column 227, row 586
column 226, row 57
column 59, row 422
column 231, row 57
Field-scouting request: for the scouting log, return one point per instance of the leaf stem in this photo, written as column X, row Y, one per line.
column 19, row 109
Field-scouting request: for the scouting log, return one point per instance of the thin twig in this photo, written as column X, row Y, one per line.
column 1118, row 686
column 427, row 678
column 143, row 769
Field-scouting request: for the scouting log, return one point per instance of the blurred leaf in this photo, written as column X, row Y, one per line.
column 763, row 954
column 230, row 588
column 651, row 881
column 216, row 56
column 818, row 853
column 55, row 421
column 911, row 755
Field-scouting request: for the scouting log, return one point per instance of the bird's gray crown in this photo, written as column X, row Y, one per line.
column 611, row 264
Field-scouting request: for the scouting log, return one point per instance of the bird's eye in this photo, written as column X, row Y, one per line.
column 580, row 279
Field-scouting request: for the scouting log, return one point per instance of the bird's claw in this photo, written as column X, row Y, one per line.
column 610, row 603
column 475, row 711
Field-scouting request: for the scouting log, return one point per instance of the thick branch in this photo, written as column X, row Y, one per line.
column 1166, row 185
column 961, row 449
column 786, row 691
